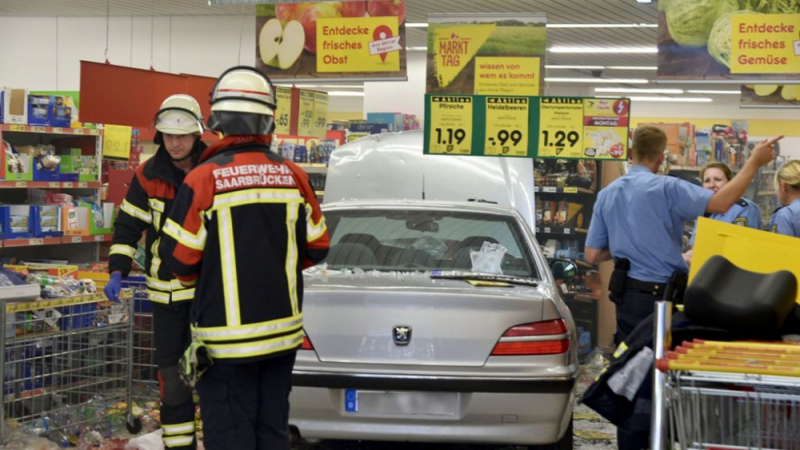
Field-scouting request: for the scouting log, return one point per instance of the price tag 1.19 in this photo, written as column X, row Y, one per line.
column 507, row 126
column 561, row 127
column 451, row 125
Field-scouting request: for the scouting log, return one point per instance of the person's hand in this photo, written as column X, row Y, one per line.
column 687, row 257
column 764, row 152
column 113, row 287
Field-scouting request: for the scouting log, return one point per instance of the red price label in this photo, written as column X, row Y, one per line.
column 617, row 150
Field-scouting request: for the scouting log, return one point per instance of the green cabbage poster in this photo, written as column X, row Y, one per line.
column 700, row 40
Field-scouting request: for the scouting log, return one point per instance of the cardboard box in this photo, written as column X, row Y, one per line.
column 75, row 221
column 16, row 221
column 59, row 114
column 13, row 172
column 14, row 106
column 38, row 110
column 46, row 221
column 396, row 120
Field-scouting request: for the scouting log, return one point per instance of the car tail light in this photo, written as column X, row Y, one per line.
column 518, row 347
column 307, row 345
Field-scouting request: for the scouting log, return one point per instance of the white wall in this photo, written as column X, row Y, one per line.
column 199, row 45
column 406, row 97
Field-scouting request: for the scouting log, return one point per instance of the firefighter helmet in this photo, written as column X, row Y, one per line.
column 243, row 102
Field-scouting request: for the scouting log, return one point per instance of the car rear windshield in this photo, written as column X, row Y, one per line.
column 423, row 240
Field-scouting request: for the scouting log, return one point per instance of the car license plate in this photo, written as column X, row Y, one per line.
column 401, row 403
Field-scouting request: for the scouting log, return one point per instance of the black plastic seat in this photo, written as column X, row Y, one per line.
column 350, row 255
column 754, row 305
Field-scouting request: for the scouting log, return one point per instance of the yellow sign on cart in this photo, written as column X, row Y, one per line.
column 117, row 142
column 451, row 125
column 748, row 248
column 507, row 126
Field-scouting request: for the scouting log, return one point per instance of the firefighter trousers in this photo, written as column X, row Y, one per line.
column 172, row 336
column 246, row 406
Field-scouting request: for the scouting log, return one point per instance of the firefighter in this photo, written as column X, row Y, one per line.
column 179, row 125
column 244, row 226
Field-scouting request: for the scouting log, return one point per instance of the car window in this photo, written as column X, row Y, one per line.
column 423, row 240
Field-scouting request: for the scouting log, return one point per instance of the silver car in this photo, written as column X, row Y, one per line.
column 434, row 322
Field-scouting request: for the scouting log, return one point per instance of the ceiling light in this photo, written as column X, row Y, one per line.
column 640, row 91
column 345, row 94
column 703, row 91
column 569, row 49
column 602, row 25
column 596, row 80
column 632, row 67
column 416, row 49
column 644, row 1
column 416, row 25
column 664, row 99
column 576, row 67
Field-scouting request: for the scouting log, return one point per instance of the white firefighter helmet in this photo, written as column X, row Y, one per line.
column 179, row 114
column 243, row 102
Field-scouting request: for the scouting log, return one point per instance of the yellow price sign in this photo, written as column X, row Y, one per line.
column 507, row 126
column 283, row 115
column 117, row 142
column 17, row 127
column 451, row 125
column 561, row 127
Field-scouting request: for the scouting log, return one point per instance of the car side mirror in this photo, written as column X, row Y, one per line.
column 563, row 269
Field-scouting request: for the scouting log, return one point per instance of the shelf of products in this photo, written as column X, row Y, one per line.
column 58, row 240
column 50, row 130
column 49, row 184
column 562, row 190
column 561, row 230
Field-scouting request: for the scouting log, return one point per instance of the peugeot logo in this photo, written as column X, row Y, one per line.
column 402, row 334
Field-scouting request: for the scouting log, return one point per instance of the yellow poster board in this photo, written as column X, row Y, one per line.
column 507, row 126
column 451, row 125
column 320, row 118
column 496, row 75
column 283, row 115
column 765, row 43
column 117, row 142
column 748, row 248
column 305, row 116
column 358, row 44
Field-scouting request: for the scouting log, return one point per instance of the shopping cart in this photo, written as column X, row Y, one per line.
column 715, row 395
column 144, row 367
column 66, row 363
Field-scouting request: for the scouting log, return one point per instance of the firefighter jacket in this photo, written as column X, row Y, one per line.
column 244, row 225
column 145, row 208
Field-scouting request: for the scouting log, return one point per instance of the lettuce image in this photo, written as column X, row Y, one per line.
column 690, row 21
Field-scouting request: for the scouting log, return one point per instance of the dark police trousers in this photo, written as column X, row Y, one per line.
column 635, row 307
column 172, row 336
column 246, row 406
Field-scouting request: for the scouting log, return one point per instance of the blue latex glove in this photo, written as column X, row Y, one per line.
column 114, row 285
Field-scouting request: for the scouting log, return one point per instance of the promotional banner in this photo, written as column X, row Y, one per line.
column 729, row 41
column 490, row 54
column 343, row 40
column 531, row 127
column 770, row 96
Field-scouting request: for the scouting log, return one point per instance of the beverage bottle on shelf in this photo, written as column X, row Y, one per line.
column 562, row 212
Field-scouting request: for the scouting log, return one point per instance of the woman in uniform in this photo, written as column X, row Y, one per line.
column 744, row 212
column 786, row 219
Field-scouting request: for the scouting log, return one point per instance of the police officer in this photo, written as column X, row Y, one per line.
column 743, row 213
column 786, row 220
column 244, row 226
column 148, row 201
column 638, row 221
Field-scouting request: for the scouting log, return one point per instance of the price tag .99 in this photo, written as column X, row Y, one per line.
column 507, row 126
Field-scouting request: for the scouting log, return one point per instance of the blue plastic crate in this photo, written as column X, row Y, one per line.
column 76, row 317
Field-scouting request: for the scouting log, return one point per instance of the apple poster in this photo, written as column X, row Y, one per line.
column 343, row 40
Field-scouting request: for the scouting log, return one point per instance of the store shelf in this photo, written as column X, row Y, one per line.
column 319, row 192
column 33, row 242
column 560, row 230
column 50, row 130
column 49, row 184
column 314, row 167
column 562, row 190
column 767, row 193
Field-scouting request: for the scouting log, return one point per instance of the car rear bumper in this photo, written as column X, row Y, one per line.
column 539, row 385
column 524, row 411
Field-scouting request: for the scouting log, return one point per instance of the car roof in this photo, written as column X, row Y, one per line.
column 477, row 206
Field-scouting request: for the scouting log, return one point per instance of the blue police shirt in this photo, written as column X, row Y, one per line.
column 640, row 217
column 786, row 220
column 744, row 213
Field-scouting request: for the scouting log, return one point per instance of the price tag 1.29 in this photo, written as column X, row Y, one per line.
column 450, row 125
column 507, row 126
column 560, row 127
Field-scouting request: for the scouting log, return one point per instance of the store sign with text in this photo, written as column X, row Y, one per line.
column 529, row 127
column 487, row 54
column 729, row 42
column 344, row 40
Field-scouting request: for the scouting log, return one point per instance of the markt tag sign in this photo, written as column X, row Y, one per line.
column 367, row 44
column 527, row 126
column 765, row 43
